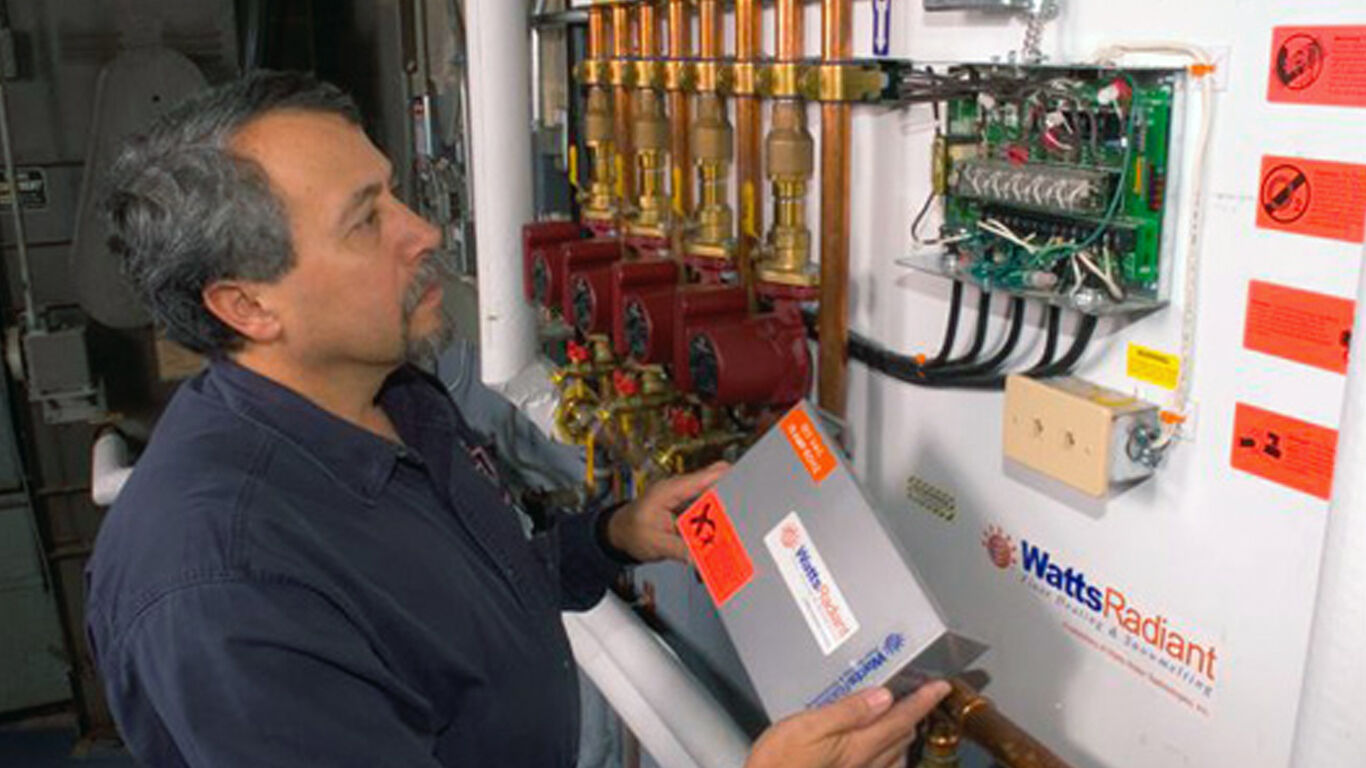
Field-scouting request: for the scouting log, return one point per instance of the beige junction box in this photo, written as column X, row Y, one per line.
column 1076, row 432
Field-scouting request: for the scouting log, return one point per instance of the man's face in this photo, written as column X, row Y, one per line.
column 366, row 283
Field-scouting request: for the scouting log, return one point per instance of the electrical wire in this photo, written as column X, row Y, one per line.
column 1085, row 330
column 947, row 374
column 1112, row 210
column 1050, row 344
column 951, row 327
column 1203, row 68
column 920, row 218
column 979, row 337
column 983, row 376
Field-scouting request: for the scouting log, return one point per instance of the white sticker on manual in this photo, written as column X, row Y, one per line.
column 812, row 585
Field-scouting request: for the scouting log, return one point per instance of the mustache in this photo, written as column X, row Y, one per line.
column 435, row 268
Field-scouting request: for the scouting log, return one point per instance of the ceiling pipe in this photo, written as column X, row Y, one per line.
column 499, row 70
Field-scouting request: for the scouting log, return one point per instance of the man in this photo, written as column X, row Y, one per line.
column 308, row 567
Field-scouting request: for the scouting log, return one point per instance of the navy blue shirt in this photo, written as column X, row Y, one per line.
column 278, row 587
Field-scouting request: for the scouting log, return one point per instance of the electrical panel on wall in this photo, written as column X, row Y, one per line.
column 1054, row 183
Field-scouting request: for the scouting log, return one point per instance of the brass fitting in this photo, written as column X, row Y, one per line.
column 635, row 421
column 650, row 137
column 790, row 158
column 713, row 147
column 942, row 740
column 685, row 454
column 599, row 199
column 577, row 408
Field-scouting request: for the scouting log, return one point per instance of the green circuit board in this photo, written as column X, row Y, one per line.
column 1054, row 182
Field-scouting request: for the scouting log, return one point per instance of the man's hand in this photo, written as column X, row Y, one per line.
column 857, row 731
column 644, row 529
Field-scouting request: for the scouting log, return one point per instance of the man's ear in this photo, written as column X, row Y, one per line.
column 238, row 305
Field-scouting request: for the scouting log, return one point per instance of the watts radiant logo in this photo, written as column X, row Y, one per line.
column 1110, row 603
column 999, row 547
column 858, row 672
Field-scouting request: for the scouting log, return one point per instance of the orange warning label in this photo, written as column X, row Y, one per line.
column 1283, row 450
column 1307, row 327
column 807, row 443
column 716, row 548
column 1313, row 197
column 1318, row 65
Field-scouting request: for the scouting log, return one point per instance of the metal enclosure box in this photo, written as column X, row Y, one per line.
column 816, row 596
column 1075, row 431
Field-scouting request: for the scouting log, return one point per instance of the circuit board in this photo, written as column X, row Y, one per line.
column 1054, row 181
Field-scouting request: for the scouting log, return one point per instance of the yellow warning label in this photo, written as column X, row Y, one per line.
column 1154, row 367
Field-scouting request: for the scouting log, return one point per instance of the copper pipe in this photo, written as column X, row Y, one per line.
column 749, row 25
column 597, row 32
column 978, row 719
column 622, row 44
column 680, row 112
column 647, row 25
column 836, row 45
column 791, row 31
column 709, row 28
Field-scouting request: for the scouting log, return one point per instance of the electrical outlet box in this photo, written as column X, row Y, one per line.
column 1076, row 432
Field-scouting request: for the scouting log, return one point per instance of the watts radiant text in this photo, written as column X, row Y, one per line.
column 1112, row 604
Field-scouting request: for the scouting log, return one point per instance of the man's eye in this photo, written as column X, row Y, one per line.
column 369, row 221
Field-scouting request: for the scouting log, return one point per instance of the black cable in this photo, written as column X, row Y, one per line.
column 951, row 327
column 947, row 374
column 1050, row 345
column 920, row 217
column 1085, row 329
column 979, row 338
column 904, row 369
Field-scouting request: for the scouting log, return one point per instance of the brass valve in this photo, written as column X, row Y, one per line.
column 713, row 147
column 599, row 203
column 575, row 414
column 650, row 137
column 692, row 446
column 790, row 157
column 633, row 419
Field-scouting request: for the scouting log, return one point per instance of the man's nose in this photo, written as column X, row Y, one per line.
column 421, row 234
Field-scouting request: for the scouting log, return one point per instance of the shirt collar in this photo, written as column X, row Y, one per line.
column 355, row 457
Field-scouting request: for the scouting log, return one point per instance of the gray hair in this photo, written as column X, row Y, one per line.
column 184, row 211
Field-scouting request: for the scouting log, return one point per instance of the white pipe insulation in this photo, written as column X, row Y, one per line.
column 1329, row 727
column 499, row 50
column 677, row 720
column 110, row 467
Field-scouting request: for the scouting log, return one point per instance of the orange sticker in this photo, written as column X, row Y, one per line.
column 1307, row 327
column 807, row 443
column 716, row 548
column 1313, row 197
column 1283, row 450
column 1318, row 65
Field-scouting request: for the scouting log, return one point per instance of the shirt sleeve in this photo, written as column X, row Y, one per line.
column 587, row 565
column 251, row 673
